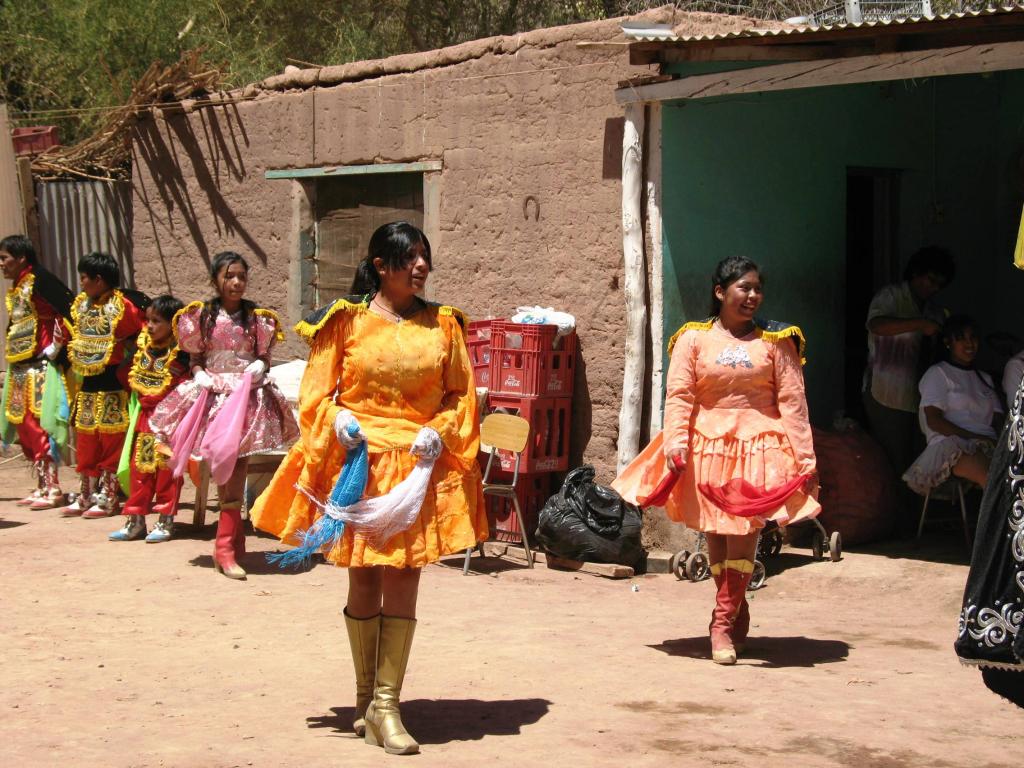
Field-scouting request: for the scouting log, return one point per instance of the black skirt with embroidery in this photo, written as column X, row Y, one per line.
column 990, row 633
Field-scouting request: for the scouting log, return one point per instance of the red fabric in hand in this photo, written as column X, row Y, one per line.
column 740, row 498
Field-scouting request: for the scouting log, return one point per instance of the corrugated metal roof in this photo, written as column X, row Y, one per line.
column 663, row 34
column 76, row 217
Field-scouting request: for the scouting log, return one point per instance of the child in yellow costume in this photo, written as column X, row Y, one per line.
column 398, row 368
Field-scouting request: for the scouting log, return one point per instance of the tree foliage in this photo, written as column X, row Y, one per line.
column 65, row 62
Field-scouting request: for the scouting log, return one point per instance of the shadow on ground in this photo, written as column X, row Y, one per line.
column 255, row 564
column 10, row 524
column 483, row 566
column 771, row 652
column 443, row 720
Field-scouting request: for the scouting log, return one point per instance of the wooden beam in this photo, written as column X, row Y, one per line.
column 861, row 69
column 353, row 170
column 761, row 53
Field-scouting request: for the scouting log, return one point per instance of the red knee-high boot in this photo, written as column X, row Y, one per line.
column 720, row 628
column 224, row 547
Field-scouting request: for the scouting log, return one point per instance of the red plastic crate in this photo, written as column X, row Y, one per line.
column 532, row 360
column 547, row 449
column 478, row 342
column 532, row 491
column 35, row 139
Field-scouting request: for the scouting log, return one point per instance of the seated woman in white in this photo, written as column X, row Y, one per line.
column 959, row 414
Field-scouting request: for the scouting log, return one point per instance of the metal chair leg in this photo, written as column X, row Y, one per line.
column 963, row 516
column 465, row 565
column 924, row 511
column 522, row 531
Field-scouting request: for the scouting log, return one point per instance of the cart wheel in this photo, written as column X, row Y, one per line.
column 835, row 546
column 697, row 567
column 757, row 577
column 818, row 546
column 776, row 543
column 678, row 564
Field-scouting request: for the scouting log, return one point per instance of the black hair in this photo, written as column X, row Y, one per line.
column 393, row 244
column 166, row 306
column 20, row 247
column 100, row 265
column 208, row 317
column 931, row 258
column 728, row 271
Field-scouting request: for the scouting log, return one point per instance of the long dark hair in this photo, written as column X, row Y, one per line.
column 211, row 308
column 393, row 244
column 728, row 271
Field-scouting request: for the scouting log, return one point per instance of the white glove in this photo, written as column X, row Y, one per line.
column 349, row 439
column 202, row 378
column 50, row 351
column 257, row 368
column 427, row 444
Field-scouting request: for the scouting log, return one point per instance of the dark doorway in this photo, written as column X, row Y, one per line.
column 872, row 260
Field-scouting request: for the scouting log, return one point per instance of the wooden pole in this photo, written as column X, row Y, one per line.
column 657, row 276
column 636, row 310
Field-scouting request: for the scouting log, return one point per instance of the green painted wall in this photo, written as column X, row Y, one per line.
column 765, row 176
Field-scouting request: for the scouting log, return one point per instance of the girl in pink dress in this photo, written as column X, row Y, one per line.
column 736, row 450
column 229, row 339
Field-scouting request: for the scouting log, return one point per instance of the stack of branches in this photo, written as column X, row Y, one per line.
column 107, row 153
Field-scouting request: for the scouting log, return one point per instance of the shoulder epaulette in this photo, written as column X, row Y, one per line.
column 704, row 325
column 309, row 327
column 278, row 332
column 446, row 310
column 190, row 307
column 776, row 330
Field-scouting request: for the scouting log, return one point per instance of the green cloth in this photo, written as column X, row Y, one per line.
column 124, row 466
column 7, row 430
column 55, row 410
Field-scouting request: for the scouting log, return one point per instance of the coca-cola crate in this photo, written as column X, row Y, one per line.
column 33, row 140
column 478, row 342
column 532, row 360
column 547, row 448
column 532, row 491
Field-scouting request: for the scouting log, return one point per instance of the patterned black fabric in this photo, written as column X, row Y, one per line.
column 993, row 609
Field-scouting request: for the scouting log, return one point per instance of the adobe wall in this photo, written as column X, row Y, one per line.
column 539, row 124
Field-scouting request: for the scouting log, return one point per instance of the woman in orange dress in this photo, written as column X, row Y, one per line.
column 397, row 368
column 736, row 444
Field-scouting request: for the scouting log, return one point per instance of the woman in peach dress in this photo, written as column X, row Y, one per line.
column 391, row 370
column 736, row 450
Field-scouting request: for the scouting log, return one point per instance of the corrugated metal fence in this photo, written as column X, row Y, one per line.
column 76, row 217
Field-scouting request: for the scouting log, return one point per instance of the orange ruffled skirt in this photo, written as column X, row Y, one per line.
column 764, row 460
column 452, row 519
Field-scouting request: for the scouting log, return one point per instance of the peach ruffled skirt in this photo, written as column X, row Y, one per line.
column 763, row 459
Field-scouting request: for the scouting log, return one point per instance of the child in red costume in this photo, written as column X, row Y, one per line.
column 157, row 369
column 104, row 319
column 37, row 303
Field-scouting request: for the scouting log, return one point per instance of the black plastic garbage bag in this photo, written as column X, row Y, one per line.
column 590, row 522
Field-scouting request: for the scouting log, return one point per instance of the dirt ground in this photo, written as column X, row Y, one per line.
column 140, row 655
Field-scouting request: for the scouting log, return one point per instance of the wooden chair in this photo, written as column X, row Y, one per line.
column 503, row 431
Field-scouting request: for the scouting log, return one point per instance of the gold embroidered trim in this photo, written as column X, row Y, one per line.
column 24, row 321
column 772, row 336
column 190, row 307
column 743, row 566
column 694, row 326
column 278, row 333
column 146, row 457
column 105, row 412
column 308, row 331
column 787, row 333
column 450, row 311
column 150, row 374
column 93, row 329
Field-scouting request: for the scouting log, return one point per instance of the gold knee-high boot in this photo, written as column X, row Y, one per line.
column 383, row 720
column 362, row 639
